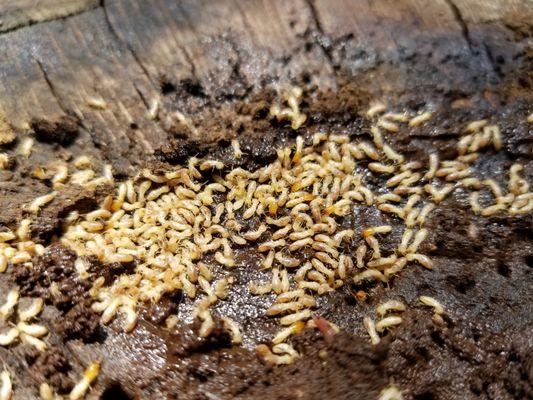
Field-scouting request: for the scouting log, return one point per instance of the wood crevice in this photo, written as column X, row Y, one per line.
column 465, row 31
column 94, row 137
column 14, row 22
column 135, row 58
column 458, row 16
column 318, row 26
column 51, row 87
column 125, row 43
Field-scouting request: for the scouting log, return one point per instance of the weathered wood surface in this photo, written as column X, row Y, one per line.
column 120, row 50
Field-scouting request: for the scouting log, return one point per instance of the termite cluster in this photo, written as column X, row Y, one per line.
column 517, row 201
column 22, row 327
column 80, row 172
column 292, row 97
column 17, row 246
column 181, row 227
column 388, row 318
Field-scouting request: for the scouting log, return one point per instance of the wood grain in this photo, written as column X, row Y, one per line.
column 18, row 13
column 120, row 51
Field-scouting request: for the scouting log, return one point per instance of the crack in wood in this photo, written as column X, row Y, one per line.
column 465, row 31
column 20, row 17
column 318, row 25
column 136, row 59
column 189, row 60
column 125, row 43
column 491, row 59
column 141, row 96
column 51, row 87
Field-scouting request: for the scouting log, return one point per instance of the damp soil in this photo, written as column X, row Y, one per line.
column 482, row 276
